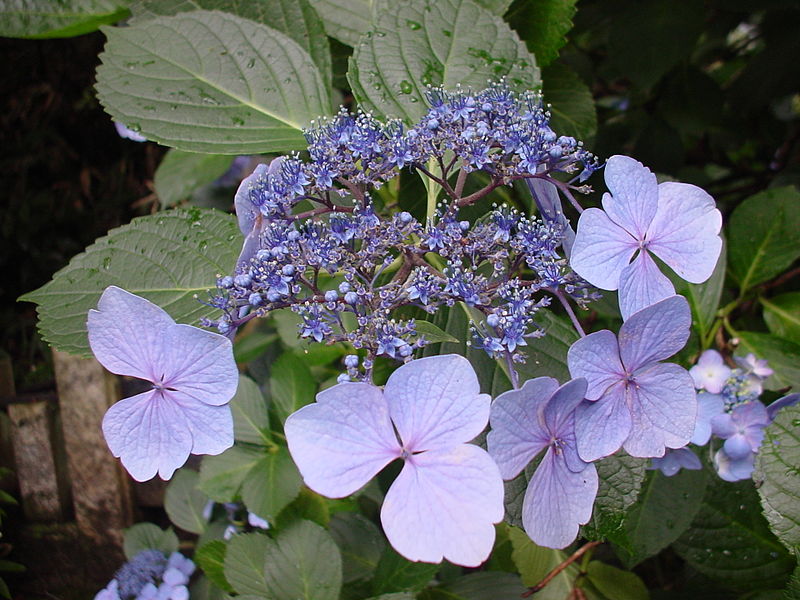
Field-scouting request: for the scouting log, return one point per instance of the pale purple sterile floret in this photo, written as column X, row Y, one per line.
column 708, row 407
column 676, row 222
column 675, row 460
column 752, row 365
column 731, row 469
column 742, row 428
column 193, row 377
column 251, row 221
column 541, row 416
column 635, row 401
column 448, row 495
column 710, row 373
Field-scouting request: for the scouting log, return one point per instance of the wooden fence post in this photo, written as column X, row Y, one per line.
column 101, row 489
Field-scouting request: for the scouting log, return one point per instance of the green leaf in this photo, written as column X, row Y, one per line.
column 147, row 536
column 221, row 476
column 729, row 540
column 764, row 236
column 572, row 109
column 66, row 18
column 244, row 564
column 271, row 484
column 6, row 593
column 490, row 585
column 250, row 413
column 295, row 18
column 432, row 333
column 647, row 39
column 180, row 173
column 703, row 297
column 792, row 591
column 210, row 558
column 665, row 508
column 621, row 477
column 360, row 542
column 396, row 574
column 535, row 562
column 441, row 42
column 782, row 314
column 345, row 20
column 778, row 470
column 207, row 81
column 543, row 25
column 396, row 596
column 184, row 502
column 616, row 583
column 303, row 563
column 309, row 506
column 291, row 384
column 547, row 356
column 783, row 357
column 7, row 566
column 168, row 258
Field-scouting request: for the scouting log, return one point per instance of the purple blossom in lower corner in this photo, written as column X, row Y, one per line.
column 193, row 377
column 541, row 417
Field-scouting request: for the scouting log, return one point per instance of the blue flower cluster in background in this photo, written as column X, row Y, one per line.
column 150, row 576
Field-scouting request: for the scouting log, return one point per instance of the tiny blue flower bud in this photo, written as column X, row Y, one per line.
column 343, row 378
column 405, row 350
column 493, row 320
column 351, row 361
column 433, row 124
column 405, row 217
column 288, row 270
column 226, row 282
column 255, row 299
column 243, row 280
column 223, row 327
column 273, row 297
column 293, row 235
column 331, row 296
column 556, row 152
column 344, row 287
column 351, row 298
column 464, row 225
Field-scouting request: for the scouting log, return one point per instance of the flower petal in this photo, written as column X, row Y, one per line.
column 596, row 357
column 211, row 426
column 601, row 249
column 655, row 333
column 198, row 363
column 126, row 333
column 435, row 402
column 518, row 433
column 545, row 194
column 684, row 232
column 560, row 409
column 642, row 284
column 149, row 433
column 663, row 409
column 602, row 426
column 633, row 201
column 558, row 501
column 342, row 440
column 708, row 407
column 443, row 505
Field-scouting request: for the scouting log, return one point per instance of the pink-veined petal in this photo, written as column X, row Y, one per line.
column 655, row 333
column 211, row 426
column 435, row 402
column 663, row 408
column 126, row 333
column 558, row 501
column 642, row 284
column 684, row 232
column 596, row 358
column 602, row 426
column 444, row 504
column 342, row 440
column 518, row 433
column 601, row 249
column 200, row 364
column 149, row 433
column 633, row 201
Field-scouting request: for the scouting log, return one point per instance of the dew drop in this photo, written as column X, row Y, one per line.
column 238, row 122
column 107, row 263
column 250, row 63
column 406, row 87
column 726, row 552
column 413, row 25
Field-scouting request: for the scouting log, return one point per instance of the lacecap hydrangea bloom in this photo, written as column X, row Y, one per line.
column 677, row 222
column 541, row 416
column 193, row 377
column 634, row 400
column 449, row 493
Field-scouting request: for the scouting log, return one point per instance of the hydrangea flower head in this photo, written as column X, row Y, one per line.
column 193, row 376
column 635, row 401
column 448, row 495
column 676, row 222
column 710, row 373
column 541, row 416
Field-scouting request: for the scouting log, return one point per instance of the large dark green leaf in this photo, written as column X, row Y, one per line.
column 783, row 357
column 250, row 417
column 271, row 484
column 210, row 558
column 764, row 236
column 730, row 542
column 169, row 258
column 221, row 476
column 345, row 20
column 703, row 297
column 664, row 510
column 543, row 25
column 291, row 385
column 62, row 19
column 442, row 42
column 782, row 314
column 535, row 562
column 244, row 564
column 396, row 574
column 295, row 18
column 491, row 585
column 184, row 502
column 547, row 356
column 778, row 471
column 615, row 583
column 207, row 81
column 360, row 542
column 572, row 107
column 180, row 173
